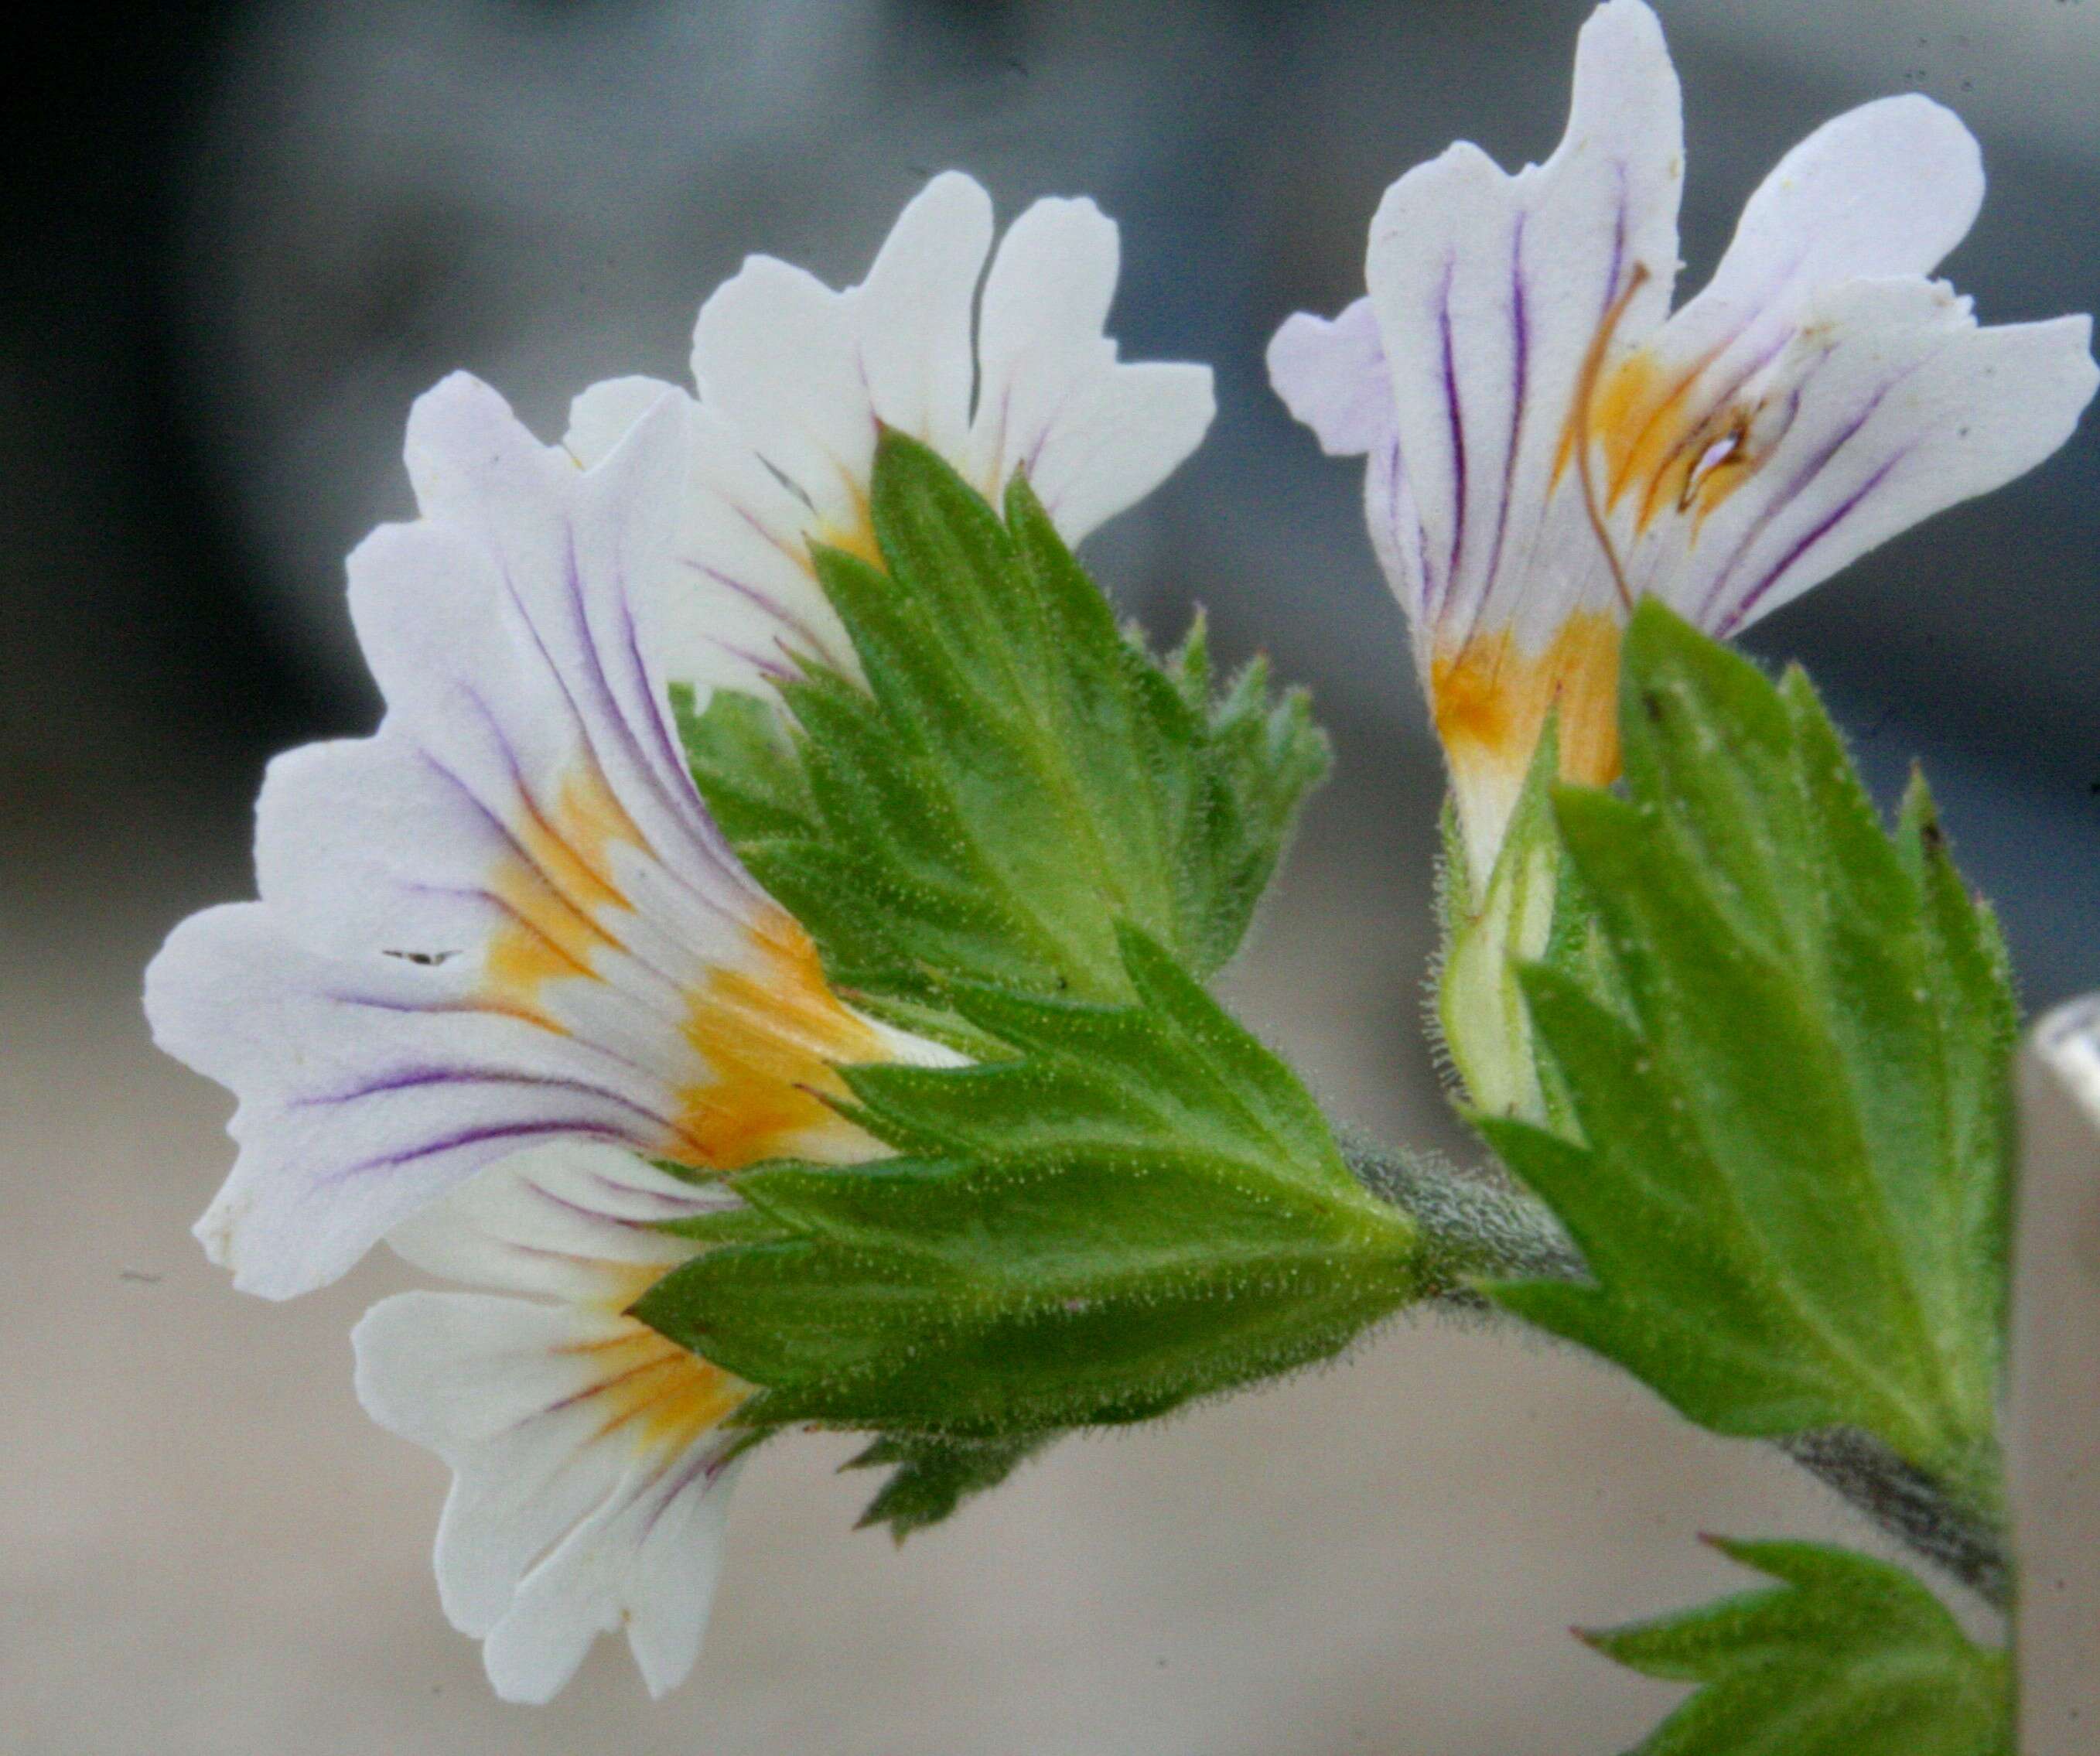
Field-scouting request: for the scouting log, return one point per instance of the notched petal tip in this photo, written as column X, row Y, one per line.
column 1332, row 377
column 604, row 414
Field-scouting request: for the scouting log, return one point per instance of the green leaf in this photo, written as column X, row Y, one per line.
column 1011, row 776
column 1845, row 1657
column 742, row 762
column 1138, row 1205
column 930, row 1477
column 1786, row 1154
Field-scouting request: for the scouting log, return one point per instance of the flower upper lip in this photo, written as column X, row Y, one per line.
column 1546, row 439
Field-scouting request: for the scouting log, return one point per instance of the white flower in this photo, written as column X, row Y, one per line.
column 1546, row 441
column 795, row 381
column 502, row 954
column 508, row 916
column 591, row 1467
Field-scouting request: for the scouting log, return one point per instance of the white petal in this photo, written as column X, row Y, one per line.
column 1493, row 295
column 573, row 556
column 606, row 413
column 1333, row 376
column 775, row 351
column 1118, row 439
column 585, row 1450
column 1884, row 190
column 367, row 1090
column 363, row 846
column 590, row 1463
column 1891, row 405
column 647, row 1560
column 508, row 916
column 1094, row 436
column 804, row 373
column 746, row 610
column 912, row 313
column 575, row 1221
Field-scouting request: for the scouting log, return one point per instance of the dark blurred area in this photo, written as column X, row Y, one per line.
column 242, row 236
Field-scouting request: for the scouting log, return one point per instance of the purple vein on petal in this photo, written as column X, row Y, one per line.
column 591, row 1127
column 1454, row 413
column 1710, row 613
column 764, row 601
column 1756, row 594
column 1519, row 361
column 417, row 1079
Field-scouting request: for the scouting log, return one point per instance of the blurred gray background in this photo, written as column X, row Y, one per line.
column 241, row 236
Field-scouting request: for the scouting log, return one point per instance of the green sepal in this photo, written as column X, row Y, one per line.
column 1139, row 1204
column 930, row 1477
column 1788, row 1158
column 1846, row 1657
column 732, row 1226
column 1531, row 910
column 1480, row 1009
column 744, row 764
column 1010, row 775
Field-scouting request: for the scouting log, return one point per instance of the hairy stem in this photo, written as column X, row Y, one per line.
column 1909, row 1504
column 1478, row 1225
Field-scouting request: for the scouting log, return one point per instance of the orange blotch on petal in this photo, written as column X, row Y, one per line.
column 770, row 1033
column 1657, row 448
column 1490, row 699
column 856, row 536
column 662, row 1397
column 559, row 888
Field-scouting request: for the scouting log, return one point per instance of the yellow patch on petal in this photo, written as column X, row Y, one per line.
column 768, row 1029
column 856, row 536
column 770, row 1032
column 559, row 888
column 1657, row 450
column 663, row 1397
column 1633, row 430
column 1490, row 699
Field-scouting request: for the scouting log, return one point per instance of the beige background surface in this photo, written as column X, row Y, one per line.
column 205, row 1547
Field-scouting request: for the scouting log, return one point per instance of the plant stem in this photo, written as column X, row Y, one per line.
column 1478, row 1225
column 1910, row 1505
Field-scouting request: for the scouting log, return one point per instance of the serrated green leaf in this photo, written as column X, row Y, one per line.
column 1845, row 1657
column 1017, row 775
column 930, row 1477
column 752, row 782
column 1138, row 1205
column 1786, row 1154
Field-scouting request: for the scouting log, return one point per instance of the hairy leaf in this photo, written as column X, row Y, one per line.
column 1786, row 1157
column 929, row 1477
column 1016, row 776
column 1845, row 1657
column 1137, row 1205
